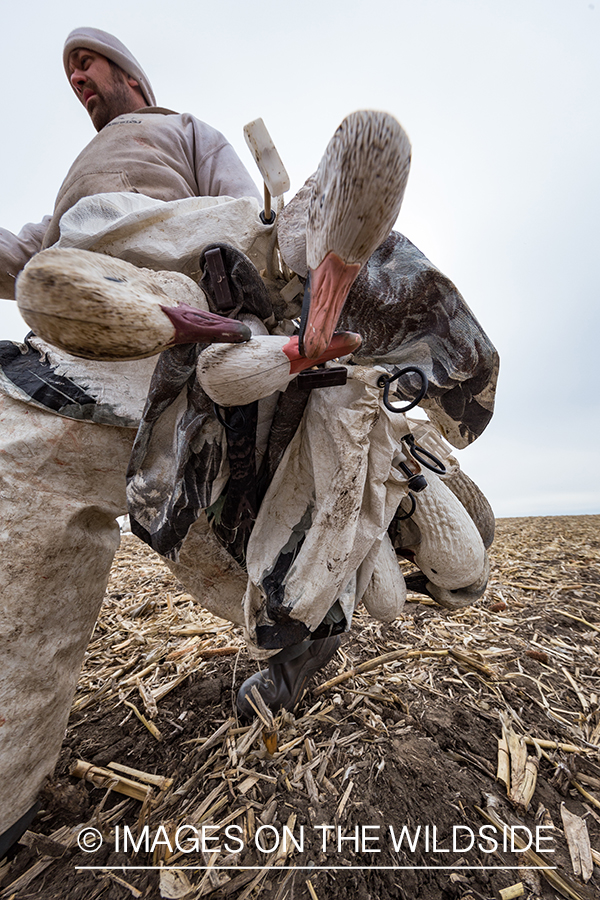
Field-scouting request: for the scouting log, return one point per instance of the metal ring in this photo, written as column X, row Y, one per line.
column 386, row 382
column 419, row 452
column 407, row 515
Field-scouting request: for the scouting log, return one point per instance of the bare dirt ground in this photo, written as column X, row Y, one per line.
column 410, row 740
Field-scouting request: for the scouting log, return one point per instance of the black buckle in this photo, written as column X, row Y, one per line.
column 218, row 277
column 320, row 378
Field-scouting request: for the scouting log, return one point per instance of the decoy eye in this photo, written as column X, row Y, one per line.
column 322, row 201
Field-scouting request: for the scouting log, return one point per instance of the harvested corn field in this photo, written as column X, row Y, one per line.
column 431, row 740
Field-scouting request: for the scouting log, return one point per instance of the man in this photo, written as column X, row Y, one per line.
column 62, row 476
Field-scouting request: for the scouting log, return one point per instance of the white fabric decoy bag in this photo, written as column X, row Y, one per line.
column 325, row 515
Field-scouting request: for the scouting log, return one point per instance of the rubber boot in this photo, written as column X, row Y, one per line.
column 283, row 682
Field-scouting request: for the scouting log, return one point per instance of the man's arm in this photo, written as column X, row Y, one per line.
column 219, row 170
column 16, row 251
column 227, row 176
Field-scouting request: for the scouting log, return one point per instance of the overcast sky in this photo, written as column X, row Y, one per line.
column 501, row 102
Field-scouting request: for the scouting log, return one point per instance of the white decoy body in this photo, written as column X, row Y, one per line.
column 451, row 552
column 100, row 308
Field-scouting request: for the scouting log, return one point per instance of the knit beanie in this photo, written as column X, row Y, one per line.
column 107, row 45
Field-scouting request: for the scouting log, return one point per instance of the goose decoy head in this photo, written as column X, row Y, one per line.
column 97, row 307
column 356, row 196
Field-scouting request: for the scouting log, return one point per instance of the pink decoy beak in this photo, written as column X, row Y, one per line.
column 196, row 326
column 341, row 343
column 325, row 295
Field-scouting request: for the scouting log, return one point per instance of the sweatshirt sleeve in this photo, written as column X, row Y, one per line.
column 219, row 170
column 228, row 176
column 16, row 251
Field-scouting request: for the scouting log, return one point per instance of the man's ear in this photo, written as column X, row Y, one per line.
column 132, row 82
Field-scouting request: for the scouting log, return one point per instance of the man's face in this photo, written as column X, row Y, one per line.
column 105, row 91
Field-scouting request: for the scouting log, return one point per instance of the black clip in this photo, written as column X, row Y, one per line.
column 385, row 381
column 225, row 424
column 419, row 452
column 320, row 378
column 218, row 277
column 416, row 481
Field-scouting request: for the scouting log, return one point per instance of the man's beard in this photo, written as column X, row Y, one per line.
column 108, row 105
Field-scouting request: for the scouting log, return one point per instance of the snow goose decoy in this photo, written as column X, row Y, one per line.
column 233, row 375
column 343, row 213
column 97, row 307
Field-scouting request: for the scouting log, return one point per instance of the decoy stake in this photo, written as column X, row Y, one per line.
column 270, row 165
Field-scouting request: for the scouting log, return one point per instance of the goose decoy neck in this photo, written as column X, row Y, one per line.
column 355, row 198
column 196, row 326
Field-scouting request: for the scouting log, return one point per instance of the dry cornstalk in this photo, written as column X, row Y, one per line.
column 311, row 890
column 589, row 779
column 343, row 801
column 160, row 781
column 248, row 739
column 523, row 768
column 251, row 823
column 471, row 662
column 517, row 750
column 591, row 799
column 250, row 889
column 578, row 619
column 374, row 664
column 266, row 716
column 581, row 697
column 311, row 788
column 216, row 736
column 148, row 700
column 260, row 775
column 286, row 845
column 584, row 793
column 556, row 745
column 524, row 792
column 503, row 771
column 149, row 725
column 247, row 783
column 215, row 878
column 512, row 891
column 118, row 880
column 578, row 841
column 105, row 778
column 174, row 883
column 165, row 689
